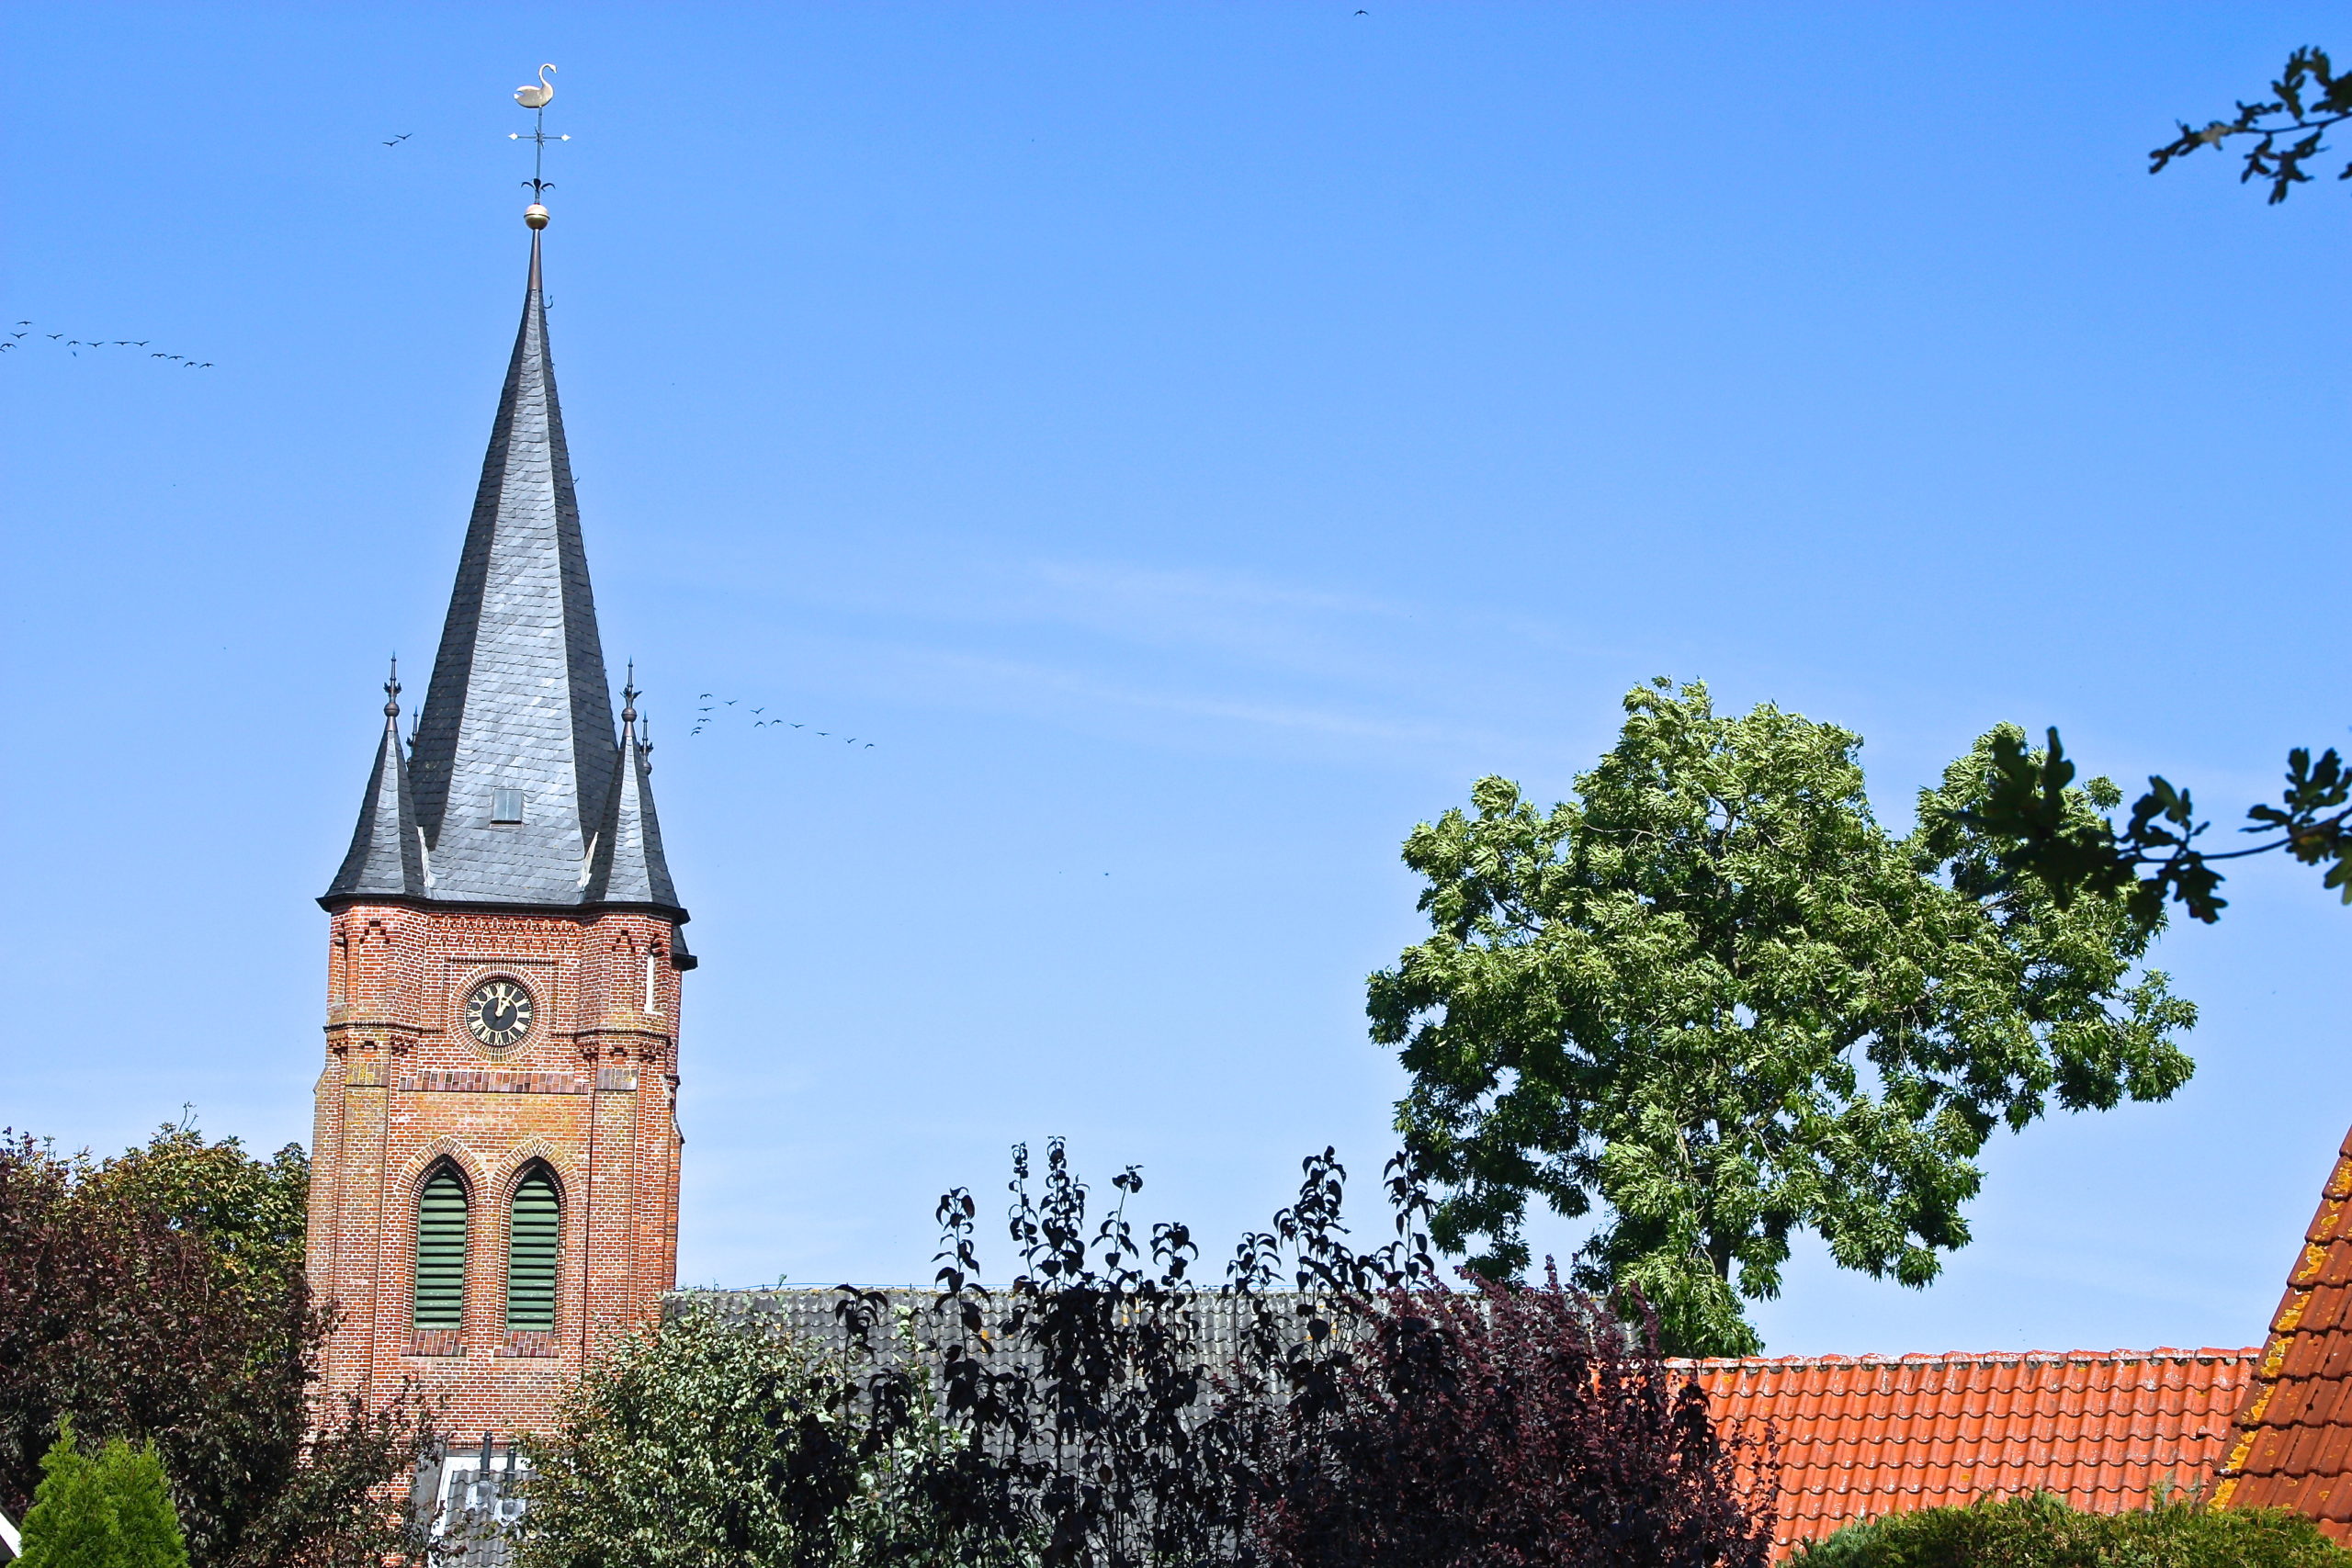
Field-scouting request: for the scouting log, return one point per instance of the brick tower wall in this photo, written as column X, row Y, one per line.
column 590, row 1092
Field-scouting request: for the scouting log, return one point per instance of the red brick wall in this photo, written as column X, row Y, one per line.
column 591, row 1091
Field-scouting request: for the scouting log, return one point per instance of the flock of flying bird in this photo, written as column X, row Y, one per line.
column 711, row 712
column 75, row 346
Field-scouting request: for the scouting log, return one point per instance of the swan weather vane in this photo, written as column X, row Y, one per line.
column 535, row 97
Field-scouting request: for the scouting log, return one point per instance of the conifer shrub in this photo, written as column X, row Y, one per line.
column 2044, row 1531
column 110, row 1511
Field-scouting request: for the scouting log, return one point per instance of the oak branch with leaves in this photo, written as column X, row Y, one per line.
column 1711, row 1002
column 2158, row 854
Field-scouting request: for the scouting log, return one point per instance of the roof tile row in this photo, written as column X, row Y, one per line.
column 2293, row 1445
column 1860, row 1436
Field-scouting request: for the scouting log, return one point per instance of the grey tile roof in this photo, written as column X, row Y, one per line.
column 519, row 699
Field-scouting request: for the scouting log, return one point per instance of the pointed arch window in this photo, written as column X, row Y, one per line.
column 533, row 1246
column 441, row 1251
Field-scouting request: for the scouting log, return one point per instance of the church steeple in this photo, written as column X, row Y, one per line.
column 494, row 1167
column 515, row 769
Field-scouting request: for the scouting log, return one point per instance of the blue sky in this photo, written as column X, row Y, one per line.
column 1192, row 443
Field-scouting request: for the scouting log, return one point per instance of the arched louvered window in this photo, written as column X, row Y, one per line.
column 441, row 1252
column 533, row 1242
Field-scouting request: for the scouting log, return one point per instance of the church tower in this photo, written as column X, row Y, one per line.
column 494, row 1178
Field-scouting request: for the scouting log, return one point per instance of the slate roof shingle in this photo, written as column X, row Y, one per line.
column 386, row 858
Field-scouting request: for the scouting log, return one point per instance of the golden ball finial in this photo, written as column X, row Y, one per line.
column 535, row 216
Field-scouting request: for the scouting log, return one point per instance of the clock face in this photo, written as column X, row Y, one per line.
column 498, row 1013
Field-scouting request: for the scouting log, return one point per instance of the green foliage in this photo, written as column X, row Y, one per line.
column 1711, row 1001
column 107, row 1512
column 1323, row 1408
column 2028, row 807
column 159, row 1298
column 2284, row 131
column 250, row 1213
column 2041, row 1531
column 693, row 1445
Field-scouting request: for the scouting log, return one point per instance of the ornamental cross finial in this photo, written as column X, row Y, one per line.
column 535, row 97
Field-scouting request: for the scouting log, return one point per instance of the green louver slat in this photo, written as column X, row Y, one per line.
column 441, row 1252
column 532, row 1246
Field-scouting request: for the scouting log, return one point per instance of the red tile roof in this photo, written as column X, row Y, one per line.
column 2294, row 1433
column 1860, row 1436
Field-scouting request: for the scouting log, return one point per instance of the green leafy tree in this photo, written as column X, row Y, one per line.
column 697, row 1445
column 138, row 1320
column 111, row 1511
column 250, row 1213
column 1711, row 1001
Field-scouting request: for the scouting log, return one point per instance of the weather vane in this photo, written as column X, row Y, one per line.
column 535, row 97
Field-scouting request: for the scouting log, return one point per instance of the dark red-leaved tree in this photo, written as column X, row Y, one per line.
column 122, row 1316
column 1325, row 1407
column 1500, row 1426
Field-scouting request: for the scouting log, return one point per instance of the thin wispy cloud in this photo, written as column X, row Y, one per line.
column 1181, row 658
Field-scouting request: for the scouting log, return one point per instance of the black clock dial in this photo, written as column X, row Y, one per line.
column 498, row 1013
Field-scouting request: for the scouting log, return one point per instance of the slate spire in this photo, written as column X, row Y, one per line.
column 514, row 765
column 632, row 868
column 385, row 858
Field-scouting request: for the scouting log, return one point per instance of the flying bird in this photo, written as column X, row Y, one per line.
column 54, row 336
column 537, row 95
column 396, row 141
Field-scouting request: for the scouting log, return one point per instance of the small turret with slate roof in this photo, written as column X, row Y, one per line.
column 386, row 859
column 521, row 792
column 631, row 869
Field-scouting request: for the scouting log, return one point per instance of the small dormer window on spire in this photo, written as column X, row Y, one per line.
column 505, row 808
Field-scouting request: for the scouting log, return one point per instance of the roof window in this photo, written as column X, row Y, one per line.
column 505, row 805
